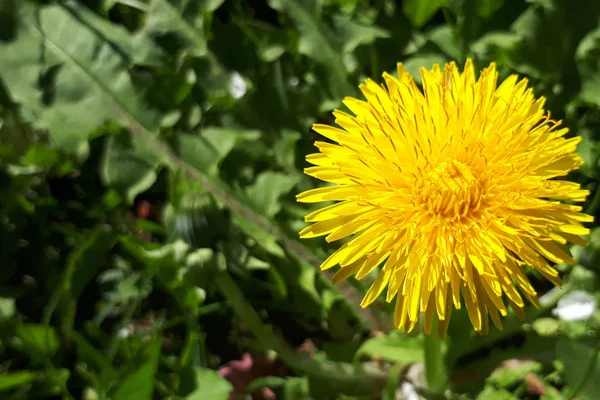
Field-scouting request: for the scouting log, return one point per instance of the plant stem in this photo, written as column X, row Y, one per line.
column 435, row 368
column 354, row 378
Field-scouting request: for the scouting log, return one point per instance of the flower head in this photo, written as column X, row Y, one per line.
column 450, row 190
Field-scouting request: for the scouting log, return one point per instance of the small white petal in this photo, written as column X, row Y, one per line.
column 237, row 86
column 575, row 306
column 407, row 392
column 125, row 332
column 294, row 81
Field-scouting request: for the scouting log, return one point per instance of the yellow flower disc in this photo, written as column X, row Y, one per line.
column 450, row 190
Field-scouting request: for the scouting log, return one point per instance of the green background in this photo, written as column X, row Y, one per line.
column 150, row 153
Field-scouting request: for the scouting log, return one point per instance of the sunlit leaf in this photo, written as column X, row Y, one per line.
column 11, row 380
column 139, row 384
column 420, row 11
column 80, row 83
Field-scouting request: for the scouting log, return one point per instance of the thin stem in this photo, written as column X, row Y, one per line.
column 435, row 369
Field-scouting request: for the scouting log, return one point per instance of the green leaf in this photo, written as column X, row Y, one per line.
column 296, row 389
column 587, row 149
column 84, row 261
column 268, row 188
column 421, row 11
column 206, row 150
column 11, row 380
column 507, row 376
column 588, row 257
column 588, row 64
column 140, row 383
column 138, row 47
column 93, row 357
column 317, row 41
column 39, row 341
column 167, row 256
column 345, row 377
column 128, row 166
column 582, row 368
column 414, row 64
column 546, row 326
column 186, row 18
column 69, row 80
column 445, row 38
column 40, row 155
column 486, row 8
column 82, row 265
column 547, row 25
column 495, row 46
column 7, row 308
column 392, row 347
column 491, row 393
column 269, row 40
column 208, row 384
column 353, row 35
column 285, row 148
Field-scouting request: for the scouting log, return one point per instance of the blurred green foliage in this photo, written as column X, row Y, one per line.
column 150, row 151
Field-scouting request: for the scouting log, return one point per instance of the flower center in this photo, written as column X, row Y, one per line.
column 450, row 190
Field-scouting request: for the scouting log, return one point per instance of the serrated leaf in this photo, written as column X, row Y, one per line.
column 421, row 11
column 267, row 189
column 393, row 348
column 138, row 46
column 183, row 17
column 154, row 257
column 69, row 80
column 206, row 150
column 495, row 46
column 352, row 34
column 128, row 166
column 445, row 38
column 507, row 376
column 140, row 383
column 39, row 341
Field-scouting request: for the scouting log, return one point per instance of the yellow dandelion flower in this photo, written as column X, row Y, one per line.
column 450, row 190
